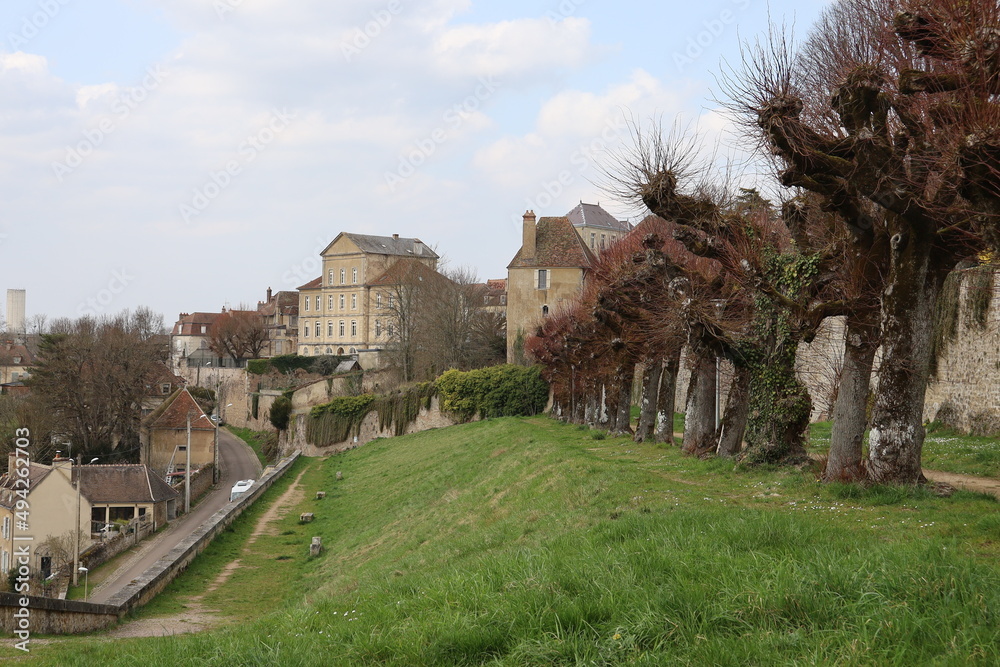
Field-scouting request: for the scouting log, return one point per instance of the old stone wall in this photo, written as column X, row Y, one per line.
column 201, row 482
column 964, row 393
column 295, row 437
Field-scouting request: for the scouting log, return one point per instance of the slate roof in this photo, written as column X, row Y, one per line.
column 347, row 366
column 592, row 215
column 556, row 245
column 389, row 245
column 10, row 351
column 172, row 414
column 315, row 283
column 123, row 483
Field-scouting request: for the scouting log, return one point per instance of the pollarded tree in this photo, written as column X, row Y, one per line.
column 892, row 105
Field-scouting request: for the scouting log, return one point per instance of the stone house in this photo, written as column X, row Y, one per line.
column 346, row 310
column 163, row 436
column 280, row 312
column 125, row 492
column 546, row 274
column 15, row 362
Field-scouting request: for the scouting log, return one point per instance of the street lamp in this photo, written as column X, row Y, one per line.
column 79, row 485
column 86, row 577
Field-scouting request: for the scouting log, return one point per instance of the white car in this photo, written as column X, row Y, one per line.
column 239, row 488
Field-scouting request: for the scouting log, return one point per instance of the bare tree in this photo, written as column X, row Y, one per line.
column 239, row 334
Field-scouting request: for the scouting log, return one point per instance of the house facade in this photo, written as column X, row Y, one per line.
column 348, row 308
column 163, row 437
column 15, row 362
column 280, row 313
column 546, row 274
column 190, row 336
column 54, row 515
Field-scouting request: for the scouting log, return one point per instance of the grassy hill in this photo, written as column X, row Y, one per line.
column 527, row 541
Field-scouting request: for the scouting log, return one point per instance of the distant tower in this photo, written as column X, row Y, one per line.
column 15, row 311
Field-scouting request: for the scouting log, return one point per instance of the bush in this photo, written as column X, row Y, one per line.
column 286, row 363
column 281, row 411
column 498, row 391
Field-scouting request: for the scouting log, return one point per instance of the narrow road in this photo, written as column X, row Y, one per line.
column 237, row 461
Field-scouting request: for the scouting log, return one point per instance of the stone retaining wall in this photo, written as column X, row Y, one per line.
column 52, row 616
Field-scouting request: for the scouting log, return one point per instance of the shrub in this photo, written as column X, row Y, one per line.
column 281, row 411
column 497, row 391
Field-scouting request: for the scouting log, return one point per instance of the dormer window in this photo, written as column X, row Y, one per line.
column 17, row 360
column 165, row 388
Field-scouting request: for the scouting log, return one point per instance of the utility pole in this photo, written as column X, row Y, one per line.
column 187, row 468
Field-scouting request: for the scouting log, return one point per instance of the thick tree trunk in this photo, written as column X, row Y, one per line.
column 897, row 433
column 734, row 421
column 651, row 373
column 850, row 411
column 699, row 413
column 779, row 408
column 666, row 398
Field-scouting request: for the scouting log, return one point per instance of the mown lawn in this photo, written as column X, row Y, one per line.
column 527, row 541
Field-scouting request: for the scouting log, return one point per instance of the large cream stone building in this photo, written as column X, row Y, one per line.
column 348, row 309
column 546, row 274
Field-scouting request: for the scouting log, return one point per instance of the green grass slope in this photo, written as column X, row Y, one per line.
column 527, row 541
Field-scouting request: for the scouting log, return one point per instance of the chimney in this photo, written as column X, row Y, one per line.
column 268, row 295
column 528, row 235
column 395, row 237
column 418, row 247
column 64, row 466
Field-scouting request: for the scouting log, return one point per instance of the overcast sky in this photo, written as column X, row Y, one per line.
column 189, row 154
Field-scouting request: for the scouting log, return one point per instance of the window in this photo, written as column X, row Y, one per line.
column 307, row 304
column 378, row 328
column 317, row 303
column 329, row 302
column 182, row 448
column 391, row 300
column 378, row 299
column 165, row 388
column 593, row 236
column 343, row 274
column 341, row 301
column 329, row 329
column 543, row 278
column 305, row 330
column 6, row 529
column 342, row 328
column 354, row 276
column 354, row 302
column 354, row 328
column 330, row 278
column 603, row 236
column 503, row 299
column 17, row 360
column 204, row 328
column 545, row 311
column 317, row 329
column 390, row 329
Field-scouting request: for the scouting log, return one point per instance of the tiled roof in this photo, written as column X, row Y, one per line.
column 8, row 483
column 9, row 351
column 407, row 269
column 122, row 483
column 172, row 414
column 497, row 284
column 556, row 245
column 592, row 215
column 312, row 284
column 186, row 322
column 391, row 245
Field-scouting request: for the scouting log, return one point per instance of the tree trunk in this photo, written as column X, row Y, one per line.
column 850, row 411
column 734, row 422
column 779, row 406
column 897, row 434
column 666, row 398
column 651, row 374
column 699, row 413
column 622, row 418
